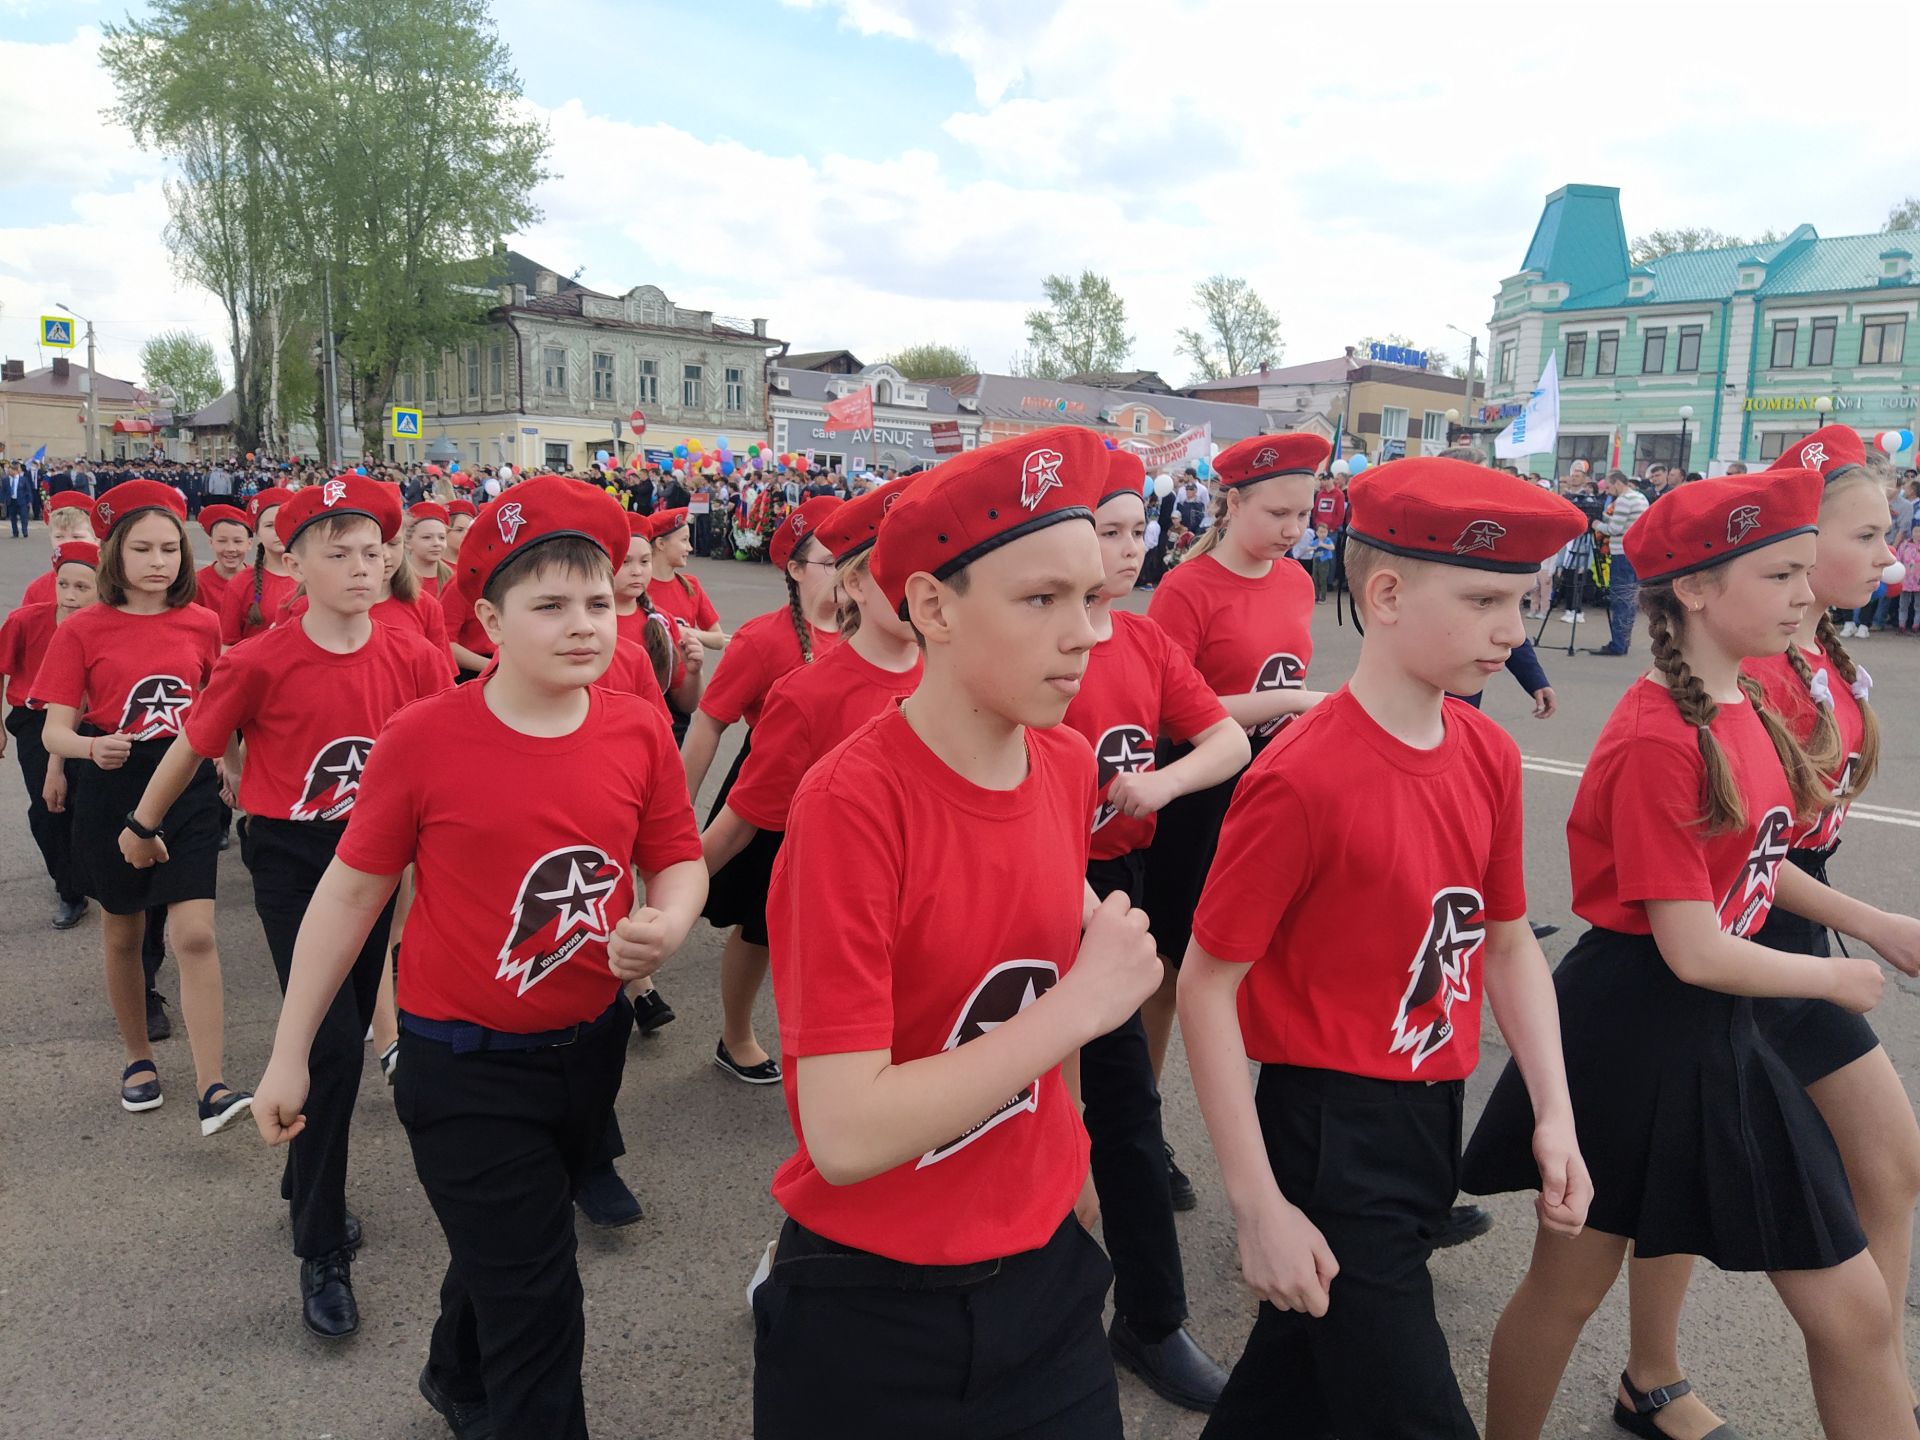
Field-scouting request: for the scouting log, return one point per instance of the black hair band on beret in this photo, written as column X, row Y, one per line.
column 1475, row 561
column 1266, row 475
column 1725, row 555
column 1116, row 494
column 948, row 569
column 1841, row 472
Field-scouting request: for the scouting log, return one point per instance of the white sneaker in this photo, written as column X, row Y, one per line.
column 1861, row 632
column 1846, row 631
column 761, row 1272
column 1566, row 617
column 1579, row 617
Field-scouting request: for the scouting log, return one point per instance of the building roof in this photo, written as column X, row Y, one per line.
column 1145, row 381
column 1313, row 372
column 569, row 305
column 1580, row 239
column 816, row 359
column 217, row 414
column 816, row 386
column 510, row 267
column 46, row 382
column 1008, row 397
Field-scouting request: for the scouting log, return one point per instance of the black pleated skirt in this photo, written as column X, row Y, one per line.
column 1699, row 1139
column 1814, row 1037
column 737, row 893
column 1186, row 833
column 100, row 800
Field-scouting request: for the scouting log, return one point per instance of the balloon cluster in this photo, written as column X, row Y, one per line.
column 1894, row 441
column 693, row 457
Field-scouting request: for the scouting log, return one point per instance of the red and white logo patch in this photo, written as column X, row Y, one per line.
column 1744, row 520
column 799, row 524
column 1267, row 456
column 333, row 492
column 510, row 520
column 1040, row 474
column 1480, row 535
column 1814, row 455
column 105, row 512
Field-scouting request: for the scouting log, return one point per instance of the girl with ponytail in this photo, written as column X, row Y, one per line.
column 257, row 596
column 1822, row 696
column 1699, row 1138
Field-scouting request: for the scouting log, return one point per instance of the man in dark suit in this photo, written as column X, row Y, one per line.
column 19, row 501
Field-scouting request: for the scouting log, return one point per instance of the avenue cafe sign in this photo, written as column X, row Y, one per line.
column 1837, row 405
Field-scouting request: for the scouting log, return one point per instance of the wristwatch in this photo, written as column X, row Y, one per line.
column 133, row 824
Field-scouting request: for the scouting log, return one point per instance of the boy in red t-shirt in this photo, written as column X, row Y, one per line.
column 1345, row 1159
column 932, row 978
column 309, row 698
column 525, row 923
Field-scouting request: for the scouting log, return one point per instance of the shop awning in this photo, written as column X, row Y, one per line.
column 134, row 427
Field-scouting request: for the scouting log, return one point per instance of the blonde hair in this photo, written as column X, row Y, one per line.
column 1214, row 532
column 846, row 614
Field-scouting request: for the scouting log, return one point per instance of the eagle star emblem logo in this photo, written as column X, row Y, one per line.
column 510, row 520
column 1040, row 474
column 333, row 492
column 1480, row 535
column 1742, row 523
column 1267, row 456
column 1814, row 455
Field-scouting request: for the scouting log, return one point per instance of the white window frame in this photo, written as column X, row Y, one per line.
column 603, row 386
column 649, row 382
column 691, row 379
column 553, row 369
column 1387, row 423
column 736, row 379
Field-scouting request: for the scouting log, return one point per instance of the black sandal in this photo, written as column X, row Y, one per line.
column 1646, row 1404
column 144, row 1096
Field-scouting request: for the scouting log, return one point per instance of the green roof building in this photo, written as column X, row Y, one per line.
column 1706, row 356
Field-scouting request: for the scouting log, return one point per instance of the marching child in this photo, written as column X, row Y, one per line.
column 229, row 531
column 427, row 546
column 1700, row 1138
column 117, row 682
column 808, row 712
column 460, row 515
column 933, row 976
column 23, row 645
column 675, row 592
column 309, row 698
column 252, row 606
column 69, row 522
column 1138, row 685
column 1817, row 689
column 525, row 922
column 1344, row 1159
column 466, row 636
column 762, row 651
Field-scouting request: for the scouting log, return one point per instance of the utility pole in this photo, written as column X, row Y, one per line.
column 332, row 373
column 1473, row 357
column 93, row 391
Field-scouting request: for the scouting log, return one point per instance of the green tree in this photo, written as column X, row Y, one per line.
column 1657, row 243
column 180, row 361
column 1082, row 328
column 932, row 361
column 1905, row 215
column 1238, row 331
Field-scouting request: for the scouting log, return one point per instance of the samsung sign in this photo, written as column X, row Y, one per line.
column 1397, row 355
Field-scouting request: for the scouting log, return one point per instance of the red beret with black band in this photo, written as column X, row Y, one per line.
column 850, row 528
column 1456, row 513
column 1126, row 475
column 429, row 510
column 1708, row 522
column 532, row 513
column 1833, row 450
column 77, row 552
column 132, row 497
column 975, row 503
column 212, row 515
column 342, row 495
column 801, row 522
column 1266, row 457
column 265, row 500
column 461, row 507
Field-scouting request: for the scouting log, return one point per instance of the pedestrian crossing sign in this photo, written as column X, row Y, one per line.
column 404, row 424
column 56, row 332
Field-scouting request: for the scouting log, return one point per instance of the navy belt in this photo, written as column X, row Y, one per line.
column 466, row 1037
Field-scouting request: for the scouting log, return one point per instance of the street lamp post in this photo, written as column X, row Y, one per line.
column 1823, row 404
column 1473, row 357
column 1686, row 414
column 93, row 388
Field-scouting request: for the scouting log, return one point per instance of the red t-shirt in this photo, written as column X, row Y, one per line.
column 132, row 675
column 632, row 673
column 276, row 593
column 23, row 645
column 212, row 591
column 42, row 589
column 524, row 848
column 1138, row 685
column 415, row 617
column 429, row 585
column 309, row 716
column 881, row 941
column 1363, row 912
column 1788, row 698
column 1329, row 508
column 462, row 627
column 684, row 598
column 760, row 652
column 1242, row 635
column 810, row 711
column 1634, row 834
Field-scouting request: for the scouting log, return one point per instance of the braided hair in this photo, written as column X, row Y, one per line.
column 658, row 637
column 1829, row 639
column 1215, row 532
column 1725, row 807
column 846, row 614
column 802, row 630
column 255, row 618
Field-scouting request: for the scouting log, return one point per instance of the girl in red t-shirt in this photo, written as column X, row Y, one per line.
column 460, row 515
column 254, row 604
column 1699, row 1138
column 763, row 650
column 1818, row 690
column 117, row 682
column 427, row 546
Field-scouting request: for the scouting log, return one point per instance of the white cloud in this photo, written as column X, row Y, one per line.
column 55, row 132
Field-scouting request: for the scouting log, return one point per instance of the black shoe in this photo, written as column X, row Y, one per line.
column 468, row 1419
column 327, row 1305
column 226, row 839
column 1179, row 1187
column 1640, row 1420
column 1541, row 932
column 356, row 1236
column 603, row 1197
column 217, row 1115
column 767, row 1072
column 1603, row 650
column 650, row 1012
column 145, row 1095
column 69, row 913
column 159, row 1027
column 1464, row 1223
column 1175, row 1368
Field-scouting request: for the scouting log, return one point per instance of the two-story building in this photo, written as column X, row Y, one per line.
column 1709, row 356
column 1386, row 408
column 914, row 423
column 561, row 370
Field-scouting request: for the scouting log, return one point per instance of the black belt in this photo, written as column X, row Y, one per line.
column 466, row 1037
column 840, row 1267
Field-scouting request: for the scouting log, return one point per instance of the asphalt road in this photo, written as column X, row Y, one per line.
column 147, row 1290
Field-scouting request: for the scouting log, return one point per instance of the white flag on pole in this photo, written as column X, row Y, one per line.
column 1536, row 430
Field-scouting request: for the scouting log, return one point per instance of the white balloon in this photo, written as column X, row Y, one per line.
column 1163, row 485
column 1894, row 574
column 1341, row 468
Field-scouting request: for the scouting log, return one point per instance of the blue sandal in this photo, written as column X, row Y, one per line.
column 216, row 1115
column 144, row 1096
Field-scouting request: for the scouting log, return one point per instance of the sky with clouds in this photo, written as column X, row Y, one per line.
column 872, row 173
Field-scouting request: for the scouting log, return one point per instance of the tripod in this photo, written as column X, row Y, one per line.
column 1569, row 586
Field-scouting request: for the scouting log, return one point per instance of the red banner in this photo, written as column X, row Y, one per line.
column 851, row 412
column 946, row 436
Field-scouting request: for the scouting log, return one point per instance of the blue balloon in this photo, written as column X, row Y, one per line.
column 1202, row 470
column 359, row 469
column 726, row 467
column 1356, row 463
column 720, row 443
column 453, row 467
column 680, row 451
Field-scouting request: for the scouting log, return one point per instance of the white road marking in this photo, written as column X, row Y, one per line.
column 1883, row 814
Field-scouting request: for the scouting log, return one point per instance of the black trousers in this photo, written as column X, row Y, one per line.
column 500, row 1139
column 1129, row 1153
column 1013, row 1355
column 287, row 859
column 1375, row 1164
column 52, row 833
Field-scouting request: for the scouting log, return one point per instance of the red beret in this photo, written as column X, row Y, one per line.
column 799, row 524
column 849, row 529
column 985, row 498
column 212, row 515
column 665, row 522
column 77, row 552
column 129, row 498
column 532, row 513
column 1459, row 513
column 429, row 510
column 266, row 500
column 1708, row 522
column 1262, row 457
column 639, row 527
column 1126, row 475
column 1832, row 450
column 342, row 495
column 70, row 500
column 461, row 507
